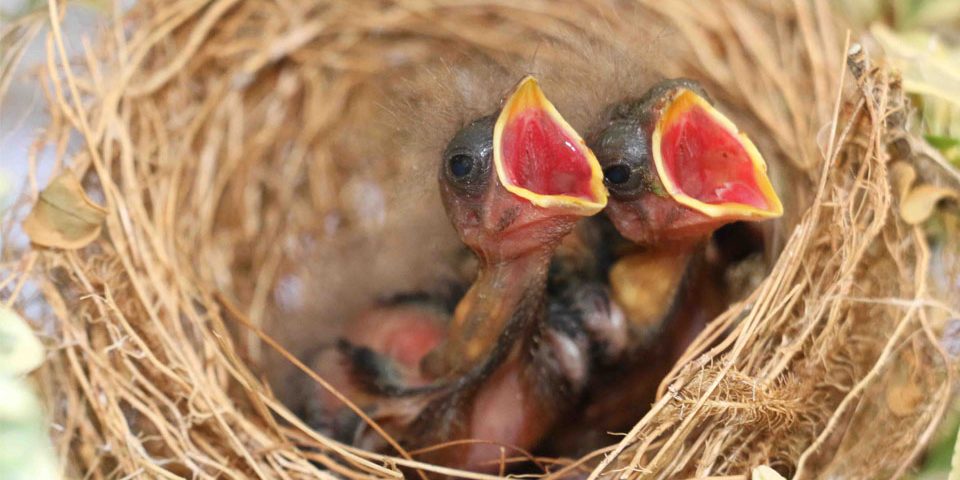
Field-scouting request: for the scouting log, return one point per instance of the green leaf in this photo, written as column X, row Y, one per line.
column 930, row 68
column 925, row 13
column 20, row 350
column 941, row 142
column 948, row 146
column 25, row 450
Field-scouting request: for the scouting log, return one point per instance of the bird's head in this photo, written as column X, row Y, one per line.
column 517, row 181
column 677, row 169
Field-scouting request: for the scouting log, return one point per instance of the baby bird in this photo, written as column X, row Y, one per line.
column 514, row 185
column 676, row 170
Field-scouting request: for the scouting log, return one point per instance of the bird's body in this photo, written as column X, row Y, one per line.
column 513, row 189
column 677, row 170
column 683, row 295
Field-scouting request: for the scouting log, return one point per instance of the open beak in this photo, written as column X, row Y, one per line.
column 708, row 165
column 541, row 158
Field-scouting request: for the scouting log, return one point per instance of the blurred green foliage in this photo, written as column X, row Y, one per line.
column 903, row 15
column 931, row 72
column 25, row 449
column 922, row 39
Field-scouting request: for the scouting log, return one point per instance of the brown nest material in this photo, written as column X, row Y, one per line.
column 222, row 136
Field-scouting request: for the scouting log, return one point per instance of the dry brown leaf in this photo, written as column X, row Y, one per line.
column 64, row 216
column 903, row 399
column 918, row 205
column 903, row 177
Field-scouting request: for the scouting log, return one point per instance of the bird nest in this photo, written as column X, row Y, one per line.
column 237, row 147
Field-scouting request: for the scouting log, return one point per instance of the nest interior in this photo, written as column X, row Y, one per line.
column 224, row 222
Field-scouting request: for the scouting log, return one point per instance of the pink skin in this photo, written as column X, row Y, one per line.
column 404, row 334
column 505, row 412
column 660, row 221
column 511, row 410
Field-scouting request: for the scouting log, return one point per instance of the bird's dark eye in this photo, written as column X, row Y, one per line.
column 461, row 165
column 468, row 157
column 626, row 177
column 617, row 174
column 623, row 150
column 466, row 170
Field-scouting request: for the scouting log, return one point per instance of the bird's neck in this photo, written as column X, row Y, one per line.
column 500, row 308
column 680, row 249
column 645, row 282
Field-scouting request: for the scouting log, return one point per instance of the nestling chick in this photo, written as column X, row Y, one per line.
column 514, row 185
column 677, row 170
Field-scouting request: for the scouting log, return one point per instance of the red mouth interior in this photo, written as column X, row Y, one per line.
column 708, row 163
column 540, row 156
